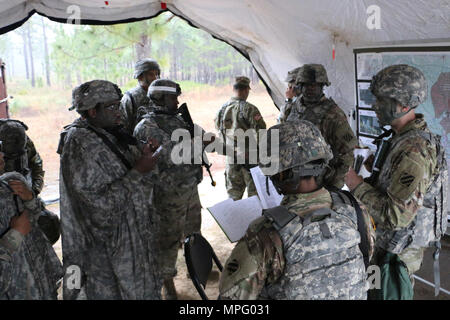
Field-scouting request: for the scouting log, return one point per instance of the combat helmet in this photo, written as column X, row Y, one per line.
column 87, row 95
column 13, row 137
column 161, row 87
column 144, row 65
column 302, row 150
column 312, row 73
column 292, row 75
column 404, row 84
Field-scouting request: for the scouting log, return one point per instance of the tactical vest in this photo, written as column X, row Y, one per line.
column 176, row 122
column 430, row 222
column 315, row 114
column 323, row 259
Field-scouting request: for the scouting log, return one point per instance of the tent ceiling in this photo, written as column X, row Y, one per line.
column 276, row 35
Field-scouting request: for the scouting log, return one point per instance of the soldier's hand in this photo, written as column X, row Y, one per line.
column 21, row 223
column 154, row 144
column 290, row 92
column 368, row 164
column 21, row 189
column 147, row 161
column 352, row 180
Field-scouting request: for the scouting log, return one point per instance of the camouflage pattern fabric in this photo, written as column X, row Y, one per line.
column 286, row 109
column 29, row 163
column 144, row 65
column 242, row 82
column 403, row 83
column 87, row 95
column 237, row 179
column 175, row 198
column 396, row 200
column 299, row 261
column 333, row 125
column 107, row 222
column 29, row 267
column 133, row 113
column 237, row 114
column 310, row 73
column 300, row 143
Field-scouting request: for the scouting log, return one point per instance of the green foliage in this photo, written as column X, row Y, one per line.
column 16, row 104
column 83, row 53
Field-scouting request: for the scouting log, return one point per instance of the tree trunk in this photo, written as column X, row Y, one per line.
column 104, row 69
column 46, row 57
column 143, row 47
column 174, row 65
column 30, row 49
column 25, row 54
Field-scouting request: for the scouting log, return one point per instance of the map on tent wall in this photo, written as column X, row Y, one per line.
column 434, row 62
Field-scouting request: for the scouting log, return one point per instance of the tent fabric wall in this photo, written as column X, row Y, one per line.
column 276, row 35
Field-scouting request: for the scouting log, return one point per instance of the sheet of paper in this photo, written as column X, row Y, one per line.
column 234, row 217
column 267, row 200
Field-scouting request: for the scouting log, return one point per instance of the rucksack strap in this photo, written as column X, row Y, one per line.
column 364, row 245
column 112, row 147
column 346, row 197
column 279, row 216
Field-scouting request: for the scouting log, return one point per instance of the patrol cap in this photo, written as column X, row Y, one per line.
column 145, row 65
column 87, row 95
column 241, row 82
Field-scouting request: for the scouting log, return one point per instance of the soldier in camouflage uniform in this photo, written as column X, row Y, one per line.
column 234, row 115
column 107, row 223
column 176, row 198
column 308, row 247
column 20, row 153
column 29, row 267
column 292, row 96
column 135, row 103
column 328, row 117
column 407, row 201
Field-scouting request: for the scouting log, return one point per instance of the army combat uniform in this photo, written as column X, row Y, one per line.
column 333, row 125
column 286, row 109
column 176, row 199
column 29, row 267
column 233, row 115
column 308, row 247
column 107, row 223
column 29, row 163
column 330, row 119
column 401, row 197
column 408, row 198
column 290, row 103
column 134, row 105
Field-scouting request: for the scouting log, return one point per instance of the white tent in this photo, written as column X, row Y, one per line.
column 275, row 35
